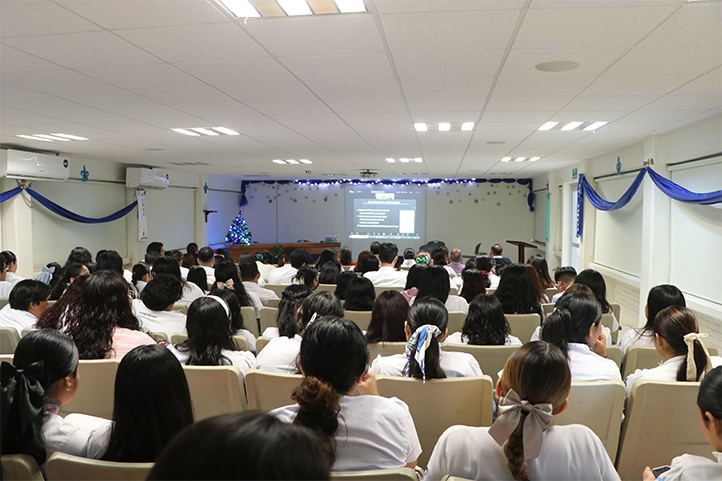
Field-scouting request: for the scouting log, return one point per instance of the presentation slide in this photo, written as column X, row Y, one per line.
column 386, row 213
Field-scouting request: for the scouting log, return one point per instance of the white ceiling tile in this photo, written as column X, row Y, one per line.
column 686, row 102
column 694, row 25
column 252, row 70
column 591, row 61
column 446, row 86
column 147, row 76
column 477, row 63
column 434, row 117
column 39, row 103
column 219, row 115
column 82, row 50
column 664, row 115
column 271, row 97
column 410, row 6
column 340, row 67
column 371, row 105
column 498, row 102
column 223, row 41
column 601, row 103
column 444, row 104
column 601, row 3
column 317, row 35
column 520, row 127
column 14, row 60
column 317, row 122
column 179, row 96
column 668, row 61
column 709, row 84
column 635, row 84
column 567, row 115
column 449, row 31
column 57, row 81
column 11, row 90
column 107, row 100
column 540, row 116
column 361, row 89
column 19, row 18
column 541, row 85
column 362, row 118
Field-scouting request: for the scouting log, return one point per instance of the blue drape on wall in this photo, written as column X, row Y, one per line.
column 63, row 212
column 681, row 194
column 10, row 194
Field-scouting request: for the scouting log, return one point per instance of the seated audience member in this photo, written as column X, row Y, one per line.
column 197, row 275
column 475, row 283
column 80, row 255
column 690, row 467
column 413, row 280
column 103, row 325
column 660, row 297
column 252, row 445
column 70, row 272
column 284, row 275
column 409, row 258
column 286, row 319
column 178, row 256
column 28, row 300
column 373, row 432
column 342, row 283
column 423, row 257
column 455, row 258
column 329, row 273
column 485, row 325
column 250, row 277
column 223, row 255
column 542, row 269
column 435, row 283
column 206, row 261
column 238, row 326
column 141, row 276
column 154, row 309
column 227, row 278
column 56, row 316
column 440, row 257
column 307, row 276
column 388, row 316
column 499, row 259
column 210, row 342
column 678, row 341
column 538, row 288
column 370, row 263
column 5, row 286
column 360, row 295
column 427, row 319
column 168, row 265
column 516, row 292
column 327, row 256
column 595, row 281
column 359, row 261
column 110, row 260
column 152, row 404
column 51, row 274
column 523, row 443
column 42, row 377
column 190, row 258
column 575, row 327
column 281, row 353
column 564, row 277
column 346, row 257
column 151, row 257
column 11, row 267
column 155, row 247
column 486, row 264
column 375, row 247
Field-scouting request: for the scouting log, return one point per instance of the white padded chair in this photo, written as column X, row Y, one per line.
column 273, row 302
column 159, row 336
column 9, row 339
column 645, row 357
column 523, row 325
column 491, row 358
column 270, row 390
column 240, row 340
column 27, row 331
column 551, row 292
column 608, row 322
column 547, row 309
column 615, row 354
column 96, row 390
column 385, row 349
column 64, row 467
column 180, row 308
column 261, row 343
column 379, row 289
column 400, row 474
column 249, row 319
column 268, row 318
column 277, row 288
column 20, row 467
column 215, row 390
column 326, row 287
column 6, row 358
column 456, row 321
column 361, row 318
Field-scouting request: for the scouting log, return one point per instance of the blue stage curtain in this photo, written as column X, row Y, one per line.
column 10, row 194
column 63, row 212
column 681, row 194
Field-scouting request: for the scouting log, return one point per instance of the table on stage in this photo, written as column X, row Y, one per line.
column 312, row 248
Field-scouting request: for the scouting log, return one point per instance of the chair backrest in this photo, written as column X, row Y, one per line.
column 454, row 291
column 491, row 358
column 20, row 467
column 380, row 289
column 491, row 290
column 361, row 318
column 273, row 302
column 277, row 288
column 6, row 358
column 456, row 321
column 599, row 406
column 96, row 389
column 181, row 308
column 158, row 336
column 270, row 390
column 441, row 403
column 9, row 339
column 261, row 343
column 249, row 319
column 551, row 292
column 385, row 349
column 399, row 474
column 547, row 309
column 523, row 325
column 4, row 302
column 64, row 467
column 616, row 310
column 326, row 287
column 240, row 341
column 27, row 331
column 662, row 422
column 268, row 317
column 215, row 390
column 178, row 338
column 608, row 322
column 264, row 269
column 615, row 354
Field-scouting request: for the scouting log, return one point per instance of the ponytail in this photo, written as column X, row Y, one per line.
column 319, row 406
column 699, row 356
column 424, row 344
column 678, row 327
column 558, row 329
column 574, row 314
column 514, row 451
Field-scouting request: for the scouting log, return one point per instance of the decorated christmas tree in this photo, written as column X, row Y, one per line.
column 238, row 233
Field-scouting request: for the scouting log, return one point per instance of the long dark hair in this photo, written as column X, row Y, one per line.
column 198, row 276
column 152, row 404
column 539, row 263
column 320, row 304
column 291, row 299
column 370, row 263
column 307, row 275
column 327, row 255
column 80, row 255
column 71, row 271
column 574, row 314
column 360, row 295
column 538, row 287
column 661, row 297
column 415, row 276
column 486, row 324
column 329, row 273
column 346, row 256
column 595, row 281
column 516, row 291
column 387, row 318
column 44, row 356
column 209, row 333
column 428, row 310
column 709, row 398
column 57, row 315
column 342, row 282
column 103, row 307
column 109, row 260
column 672, row 324
column 237, row 322
column 475, row 283
column 333, row 355
column 435, row 283
column 226, row 270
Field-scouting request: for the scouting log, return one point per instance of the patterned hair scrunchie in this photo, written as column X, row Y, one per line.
column 417, row 346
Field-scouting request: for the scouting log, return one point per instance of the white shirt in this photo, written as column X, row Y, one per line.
column 256, row 301
column 571, row 453
column 494, row 279
column 16, row 318
column 453, row 304
column 168, row 322
column 249, row 337
column 271, row 332
column 450, row 270
column 556, row 297
column 280, row 355
column 374, row 432
column 458, row 338
column 387, row 276
column 191, row 292
column 587, row 366
column 5, row 289
column 282, row 275
column 263, row 294
column 210, row 275
column 408, row 263
column 666, row 371
column 636, row 337
column 265, row 270
column 454, row 364
column 12, row 278
column 694, row 468
column 244, row 360
column 139, row 286
column 184, row 272
column 128, row 276
column 68, row 438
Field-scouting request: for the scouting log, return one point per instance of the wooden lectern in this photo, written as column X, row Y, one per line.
column 521, row 245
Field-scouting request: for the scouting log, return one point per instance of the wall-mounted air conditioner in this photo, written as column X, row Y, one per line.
column 146, row 178
column 15, row 164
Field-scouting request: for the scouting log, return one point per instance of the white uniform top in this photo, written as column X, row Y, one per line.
column 249, row 337
column 494, row 279
column 458, row 338
column 263, row 294
column 556, row 297
column 128, row 276
column 280, row 355
column 536, row 335
column 65, row 437
column 570, row 452
column 210, row 275
column 184, row 272
column 387, row 276
column 694, row 468
column 5, row 289
column 271, row 332
column 191, row 292
column 587, row 366
column 264, row 269
column 453, row 304
column 16, row 318
column 454, row 364
column 666, row 371
column 408, row 263
column 450, row 270
column 139, row 286
column 282, row 275
column 12, row 278
column 374, row 432
column 168, row 322
column 636, row 337
column 244, row 360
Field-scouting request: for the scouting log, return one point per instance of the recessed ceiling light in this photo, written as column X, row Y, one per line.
column 305, row 161
column 291, row 161
column 226, row 131
column 295, row 7
column 201, row 130
column 444, row 126
column 548, row 126
column 467, row 126
column 506, row 159
column 240, row 8
column 520, row 159
column 186, row 132
column 71, row 137
column 421, row 127
column 595, row 125
column 279, row 161
column 572, row 125
column 534, row 159
column 557, row 66
column 51, row 137
column 390, row 160
column 419, row 159
column 404, row 160
column 350, row 6
column 30, row 137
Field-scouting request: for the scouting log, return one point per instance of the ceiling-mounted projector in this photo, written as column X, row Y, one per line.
column 369, row 174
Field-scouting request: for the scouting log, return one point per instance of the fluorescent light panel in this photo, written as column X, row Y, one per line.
column 506, row 159
column 444, row 126
column 595, row 125
column 240, row 8
column 572, row 125
column 390, row 160
column 30, row 137
column 291, row 161
column 71, row 137
column 520, row 159
column 534, row 159
column 51, row 137
column 421, row 127
column 295, row 7
column 186, row 132
column 279, row 161
column 350, row 6
column 548, row 126
column 419, row 159
column 305, row 161
column 226, row 131
column 201, row 130
column 467, row 126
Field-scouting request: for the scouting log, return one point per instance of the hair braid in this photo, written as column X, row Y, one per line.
column 514, row 451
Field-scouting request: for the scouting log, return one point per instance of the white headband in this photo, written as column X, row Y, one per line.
column 222, row 303
column 691, row 365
